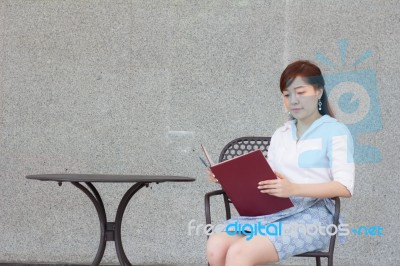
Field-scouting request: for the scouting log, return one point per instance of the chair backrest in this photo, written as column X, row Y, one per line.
column 244, row 145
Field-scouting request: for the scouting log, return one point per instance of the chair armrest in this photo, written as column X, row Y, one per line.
column 214, row 193
column 208, row 205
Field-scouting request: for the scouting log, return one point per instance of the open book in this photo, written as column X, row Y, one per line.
column 239, row 179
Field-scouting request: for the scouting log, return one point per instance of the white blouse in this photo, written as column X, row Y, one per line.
column 323, row 153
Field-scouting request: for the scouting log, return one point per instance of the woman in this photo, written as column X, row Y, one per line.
column 312, row 156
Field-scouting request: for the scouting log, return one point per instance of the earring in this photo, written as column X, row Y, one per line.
column 319, row 104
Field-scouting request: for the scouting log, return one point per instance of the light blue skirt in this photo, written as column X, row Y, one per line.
column 302, row 228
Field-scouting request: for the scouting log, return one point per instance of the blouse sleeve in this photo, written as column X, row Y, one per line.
column 340, row 154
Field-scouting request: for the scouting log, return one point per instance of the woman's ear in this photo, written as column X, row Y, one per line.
column 320, row 92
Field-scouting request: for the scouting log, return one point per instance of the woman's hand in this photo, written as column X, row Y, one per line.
column 280, row 187
column 211, row 177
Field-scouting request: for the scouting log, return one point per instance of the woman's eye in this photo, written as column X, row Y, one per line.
column 300, row 92
column 285, row 95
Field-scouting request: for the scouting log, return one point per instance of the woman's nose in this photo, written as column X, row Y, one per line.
column 293, row 98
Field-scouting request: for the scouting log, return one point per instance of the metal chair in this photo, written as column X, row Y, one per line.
column 244, row 145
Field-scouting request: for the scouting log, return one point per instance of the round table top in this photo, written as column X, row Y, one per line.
column 109, row 178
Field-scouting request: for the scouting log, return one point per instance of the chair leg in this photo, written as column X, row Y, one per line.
column 330, row 261
column 318, row 261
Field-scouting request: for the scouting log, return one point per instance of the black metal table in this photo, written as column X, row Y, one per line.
column 109, row 231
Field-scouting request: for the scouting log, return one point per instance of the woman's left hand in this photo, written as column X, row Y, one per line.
column 280, row 187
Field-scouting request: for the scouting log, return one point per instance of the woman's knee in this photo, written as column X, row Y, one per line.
column 255, row 252
column 237, row 252
column 216, row 248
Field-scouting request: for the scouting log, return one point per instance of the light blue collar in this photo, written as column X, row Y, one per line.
column 322, row 120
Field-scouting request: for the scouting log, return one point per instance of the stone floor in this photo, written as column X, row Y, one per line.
column 60, row 264
column 323, row 262
column 36, row 264
column 44, row 264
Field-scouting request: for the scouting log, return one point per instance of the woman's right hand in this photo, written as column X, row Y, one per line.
column 211, row 177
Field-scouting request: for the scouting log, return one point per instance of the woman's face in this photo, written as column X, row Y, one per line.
column 301, row 100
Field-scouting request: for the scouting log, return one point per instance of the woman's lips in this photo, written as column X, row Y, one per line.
column 296, row 110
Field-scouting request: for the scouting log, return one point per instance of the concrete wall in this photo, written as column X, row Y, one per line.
column 133, row 87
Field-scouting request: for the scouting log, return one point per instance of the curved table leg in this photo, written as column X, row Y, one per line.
column 97, row 195
column 98, row 204
column 118, row 220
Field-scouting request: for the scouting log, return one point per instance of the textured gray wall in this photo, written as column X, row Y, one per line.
column 135, row 86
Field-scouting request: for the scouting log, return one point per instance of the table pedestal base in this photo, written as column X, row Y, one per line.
column 110, row 231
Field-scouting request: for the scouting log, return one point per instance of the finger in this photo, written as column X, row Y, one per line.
column 266, row 182
column 264, row 187
column 272, row 184
column 212, row 178
column 267, row 187
column 270, row 191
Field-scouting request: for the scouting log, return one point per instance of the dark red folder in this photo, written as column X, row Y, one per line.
column 239, row 178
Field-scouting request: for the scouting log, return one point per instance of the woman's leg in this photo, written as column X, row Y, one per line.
column 217, row 247
column 258, row 250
